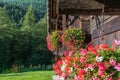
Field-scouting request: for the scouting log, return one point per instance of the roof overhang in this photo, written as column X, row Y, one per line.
column 89, row 7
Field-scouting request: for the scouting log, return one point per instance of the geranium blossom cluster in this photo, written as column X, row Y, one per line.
column 73, row 37
column 54, row 40
column 93, row 63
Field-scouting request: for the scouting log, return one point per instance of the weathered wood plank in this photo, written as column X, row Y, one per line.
column 79, row 4
column 110, row 27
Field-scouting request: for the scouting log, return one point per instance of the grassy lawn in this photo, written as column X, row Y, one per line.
column 36, row 75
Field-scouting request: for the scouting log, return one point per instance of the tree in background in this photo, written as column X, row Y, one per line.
column 29, row 18
column 6, row 36
column 4, row 18
column 28, row 24
column 41, row 53
column 16, row 9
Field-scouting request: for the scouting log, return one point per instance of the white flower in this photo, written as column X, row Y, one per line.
column 91, row 69
column 99, row 59
column 71, row 69
column 63, row 66
column 62, row 78
column 86, row 69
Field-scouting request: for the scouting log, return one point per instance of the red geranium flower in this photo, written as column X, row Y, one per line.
column 103, row 46
column 92, row 49
column 81, row 72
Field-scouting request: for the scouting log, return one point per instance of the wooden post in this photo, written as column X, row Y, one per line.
column 64, row 27
column 79, row 22
column 64, row 22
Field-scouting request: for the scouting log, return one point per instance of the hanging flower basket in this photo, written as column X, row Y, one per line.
column 73, row 37
column 54, row 40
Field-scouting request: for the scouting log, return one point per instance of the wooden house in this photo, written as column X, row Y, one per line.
column 101, row 18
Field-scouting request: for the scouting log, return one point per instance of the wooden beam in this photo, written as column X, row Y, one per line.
column 89, row 11
column 79, row 4
column 110, row 3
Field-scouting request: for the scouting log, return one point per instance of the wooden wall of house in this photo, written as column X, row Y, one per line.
column 105, row 29
column 109, row 39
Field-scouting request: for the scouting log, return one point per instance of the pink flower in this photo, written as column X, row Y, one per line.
column 65, row 53
column 86, row 65
column 91, row 66
column 83, row 52
column 112, row 62
column 80, row 78
column 82, row 59
column 76, row 66
column 119, row 78
column 96, row 78
column 117, row 42
column 110, row 78
column 117, row 67
column 70, row 53
column 63, row 75
column 106, row 63
column 118, row 64
column 98, row 54
column 76, row 77
column 101, row 73
column 101, row 66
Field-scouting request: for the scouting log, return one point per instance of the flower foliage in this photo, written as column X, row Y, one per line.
column 94, row 63
column 73, row 37
column 54, row 40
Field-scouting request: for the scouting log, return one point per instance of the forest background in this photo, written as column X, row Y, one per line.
column 23, row 30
